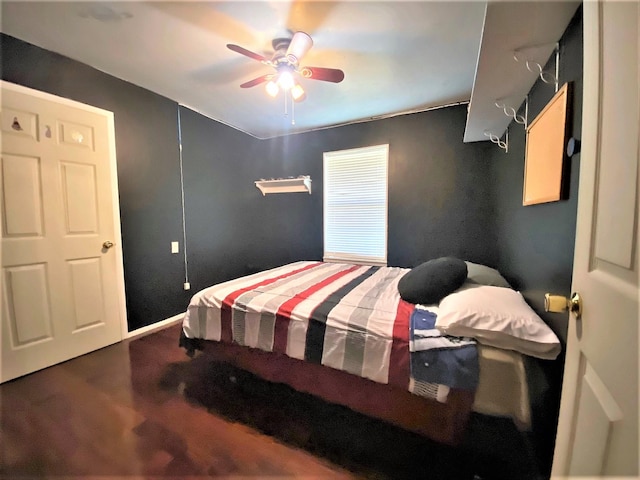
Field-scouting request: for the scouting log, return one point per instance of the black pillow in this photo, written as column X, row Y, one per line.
column 431, row 281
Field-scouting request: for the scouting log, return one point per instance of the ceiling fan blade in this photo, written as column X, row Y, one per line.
column 309, row 16
column 245, row 52
column 256, row 81
column 325, row 74
column 299, row 46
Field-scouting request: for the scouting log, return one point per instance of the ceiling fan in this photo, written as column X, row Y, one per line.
column 288, row 53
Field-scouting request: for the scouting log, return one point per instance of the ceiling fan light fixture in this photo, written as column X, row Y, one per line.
column 297, row 93
column 285, row 79
column 299, row 46
column 272, row 88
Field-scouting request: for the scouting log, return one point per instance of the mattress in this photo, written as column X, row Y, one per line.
column 346, row 317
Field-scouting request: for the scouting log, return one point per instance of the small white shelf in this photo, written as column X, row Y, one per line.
column 285, row 185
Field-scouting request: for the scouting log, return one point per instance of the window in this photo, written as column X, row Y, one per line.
column 355, row 205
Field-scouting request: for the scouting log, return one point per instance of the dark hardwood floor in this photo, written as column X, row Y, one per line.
column 110, row 413
column 143, row 409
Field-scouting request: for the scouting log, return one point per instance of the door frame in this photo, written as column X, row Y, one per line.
column 111, row 133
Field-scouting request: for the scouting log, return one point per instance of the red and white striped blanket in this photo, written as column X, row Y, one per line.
column 347, row 317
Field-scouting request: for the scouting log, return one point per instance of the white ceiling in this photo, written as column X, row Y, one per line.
column 398, row 57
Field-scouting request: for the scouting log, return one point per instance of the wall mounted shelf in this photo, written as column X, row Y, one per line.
column 285, row 185
column 527, row 31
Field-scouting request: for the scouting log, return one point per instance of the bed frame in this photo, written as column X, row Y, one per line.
column 442, row 422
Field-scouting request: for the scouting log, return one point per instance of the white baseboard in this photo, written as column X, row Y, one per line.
column 156, row 326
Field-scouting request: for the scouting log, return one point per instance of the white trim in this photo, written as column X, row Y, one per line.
column 122, row 309
column 167, row 322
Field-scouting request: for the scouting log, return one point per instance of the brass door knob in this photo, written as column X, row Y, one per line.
column 555, row 303
column 575, row 304
column 108, row 244
column 559, row 303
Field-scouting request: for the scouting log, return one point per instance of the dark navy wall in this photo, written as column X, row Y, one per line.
column 536, row 242
column 440, row 194
column 232, row 229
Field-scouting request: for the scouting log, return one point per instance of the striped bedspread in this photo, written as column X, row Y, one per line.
column 347, row 317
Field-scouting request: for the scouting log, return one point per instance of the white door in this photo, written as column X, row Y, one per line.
column 598, row 425
column 62, row 289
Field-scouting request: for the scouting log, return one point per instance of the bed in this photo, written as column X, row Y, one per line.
column 344, row 333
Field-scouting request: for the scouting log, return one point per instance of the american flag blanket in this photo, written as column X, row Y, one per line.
column 436, row 357
column 343, row 316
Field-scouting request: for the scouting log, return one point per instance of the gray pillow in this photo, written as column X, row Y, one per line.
column 431, row 281
column 484, row 275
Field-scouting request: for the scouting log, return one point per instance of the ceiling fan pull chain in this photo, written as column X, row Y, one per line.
column 293, row 112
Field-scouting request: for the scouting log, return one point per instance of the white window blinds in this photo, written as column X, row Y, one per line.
column 355, row 205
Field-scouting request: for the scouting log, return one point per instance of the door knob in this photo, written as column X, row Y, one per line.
column 108, row 244
column 575, row 304
column 559, row 303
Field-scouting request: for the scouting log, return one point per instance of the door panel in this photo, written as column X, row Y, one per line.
column 597, row 412
column 22, row 206
column 616, row 182
column 79, row 193
column 87, row 288
column 28, row 303
column 75, row 135
column 21, row 123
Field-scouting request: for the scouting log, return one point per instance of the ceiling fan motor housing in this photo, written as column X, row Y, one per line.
column 293, row 49
column 280, row 45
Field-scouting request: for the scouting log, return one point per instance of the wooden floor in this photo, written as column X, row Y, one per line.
column 143, row 409
column 109, row 413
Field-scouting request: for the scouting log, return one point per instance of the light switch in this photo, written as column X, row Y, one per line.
column 175, row 247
